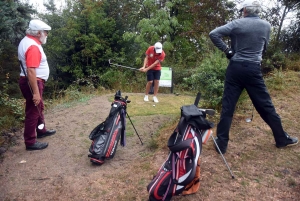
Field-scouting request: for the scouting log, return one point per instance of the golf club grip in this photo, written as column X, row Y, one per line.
column 197, row 99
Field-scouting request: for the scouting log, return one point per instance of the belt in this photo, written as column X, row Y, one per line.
column 40, row 79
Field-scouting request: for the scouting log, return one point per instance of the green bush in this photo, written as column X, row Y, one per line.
column 209, row 78
column 293, row 62
column 123, row 79
column 273, row 59
column 11, row 109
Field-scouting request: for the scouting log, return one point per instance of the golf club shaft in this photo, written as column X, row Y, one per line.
column 250, row 119
column 23, row 69
column 122, row 66
column 232, row 176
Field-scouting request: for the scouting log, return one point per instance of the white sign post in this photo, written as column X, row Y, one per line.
column 166, row 78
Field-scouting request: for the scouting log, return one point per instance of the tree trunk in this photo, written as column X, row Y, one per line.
column 286, row 10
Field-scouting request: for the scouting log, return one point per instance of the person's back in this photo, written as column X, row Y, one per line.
column 250, row 36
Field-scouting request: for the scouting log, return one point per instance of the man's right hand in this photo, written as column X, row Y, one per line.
column 36, row 99
column 229, row 53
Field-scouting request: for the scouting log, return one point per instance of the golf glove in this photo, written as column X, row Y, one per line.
column 229, row 52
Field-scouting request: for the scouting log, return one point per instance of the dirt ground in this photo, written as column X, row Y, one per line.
column 63, row 171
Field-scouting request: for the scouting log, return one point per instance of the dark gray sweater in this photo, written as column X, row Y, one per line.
column 249, row 38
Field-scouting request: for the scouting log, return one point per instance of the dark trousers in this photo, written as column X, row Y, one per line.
column 247, row 75
column 32, row 116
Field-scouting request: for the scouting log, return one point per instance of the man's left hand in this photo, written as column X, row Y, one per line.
column 229, row 53
column 143, row 69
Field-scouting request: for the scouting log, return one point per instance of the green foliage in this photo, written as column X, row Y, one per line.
column 273, row 59
column 11, row 109
column 158, row 26
column 82, row 40
column 293, row 62
column 275, row 80
column 73, row 95
column 209, row 78
column 125, row 80
column 14, row 17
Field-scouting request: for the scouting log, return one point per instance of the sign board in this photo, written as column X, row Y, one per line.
column 166, row 77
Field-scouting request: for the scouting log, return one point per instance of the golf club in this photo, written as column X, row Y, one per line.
column 210, row 112
column 122, row 66
column 232, row 176
column 42, row 125
column 248, row 120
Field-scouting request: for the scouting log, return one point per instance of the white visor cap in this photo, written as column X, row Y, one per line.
column 249, row 3
column 38, row 25
column 158, row 47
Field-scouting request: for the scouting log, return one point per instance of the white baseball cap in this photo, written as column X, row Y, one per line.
column 38, row 25
column 158, row 47
column 249, row 3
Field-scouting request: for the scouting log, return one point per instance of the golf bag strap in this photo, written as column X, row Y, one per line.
column 123, row 130
column 179, row 146
column 186, row 181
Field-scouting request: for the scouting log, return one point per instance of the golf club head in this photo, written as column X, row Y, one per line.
column 41, row 126
column 210, row 112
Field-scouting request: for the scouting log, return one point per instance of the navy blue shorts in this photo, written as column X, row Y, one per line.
column 153, row 75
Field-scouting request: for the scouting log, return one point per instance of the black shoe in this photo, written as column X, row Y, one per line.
column 290, row 141
column 47, row 133
column 37, row 146
column 222, row 146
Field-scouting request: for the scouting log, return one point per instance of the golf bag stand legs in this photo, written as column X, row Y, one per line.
column 232, row 176
column 134, row 127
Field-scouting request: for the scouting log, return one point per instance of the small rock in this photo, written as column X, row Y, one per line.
column 2, row 150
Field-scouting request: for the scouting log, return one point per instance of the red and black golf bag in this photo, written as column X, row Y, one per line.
column 180, row 173
column 106, row 136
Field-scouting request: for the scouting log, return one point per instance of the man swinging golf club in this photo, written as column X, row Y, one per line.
column 152, row 66
column 249, row 39
column 34, row 73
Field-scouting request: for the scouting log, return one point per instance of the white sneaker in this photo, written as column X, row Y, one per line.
column 146, row 98
column 155, row 99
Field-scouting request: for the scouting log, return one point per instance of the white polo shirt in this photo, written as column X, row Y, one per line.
column 31, row 54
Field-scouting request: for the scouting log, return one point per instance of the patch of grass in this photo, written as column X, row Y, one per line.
column 129, row 133
column 278, row 174
column 291, row 182
column 152, row 144
column 144, row 154
column 167, row 104
column 275, row 80
column 67, row 102
column 245, row 183
column 104, row 192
